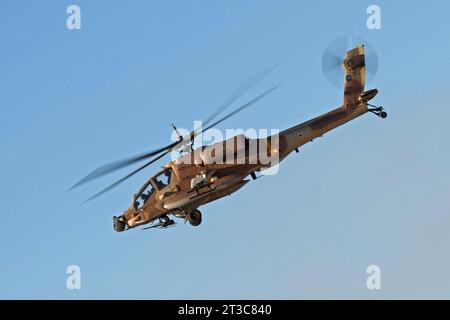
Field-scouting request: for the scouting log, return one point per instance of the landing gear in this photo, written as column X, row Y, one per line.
column 119, row 224
column 163, row 223
column 378, row 111
column 166, row 222
column 195, row 217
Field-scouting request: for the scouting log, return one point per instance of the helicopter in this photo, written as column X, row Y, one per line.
column 199, row 176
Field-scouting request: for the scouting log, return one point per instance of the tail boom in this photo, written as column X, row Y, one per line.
column 353, row 106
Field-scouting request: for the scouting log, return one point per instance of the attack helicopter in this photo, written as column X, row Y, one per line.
column 199, row 176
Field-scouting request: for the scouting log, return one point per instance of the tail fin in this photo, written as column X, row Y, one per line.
column 355, row 75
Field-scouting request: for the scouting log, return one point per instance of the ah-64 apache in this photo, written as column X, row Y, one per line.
column 195, row 178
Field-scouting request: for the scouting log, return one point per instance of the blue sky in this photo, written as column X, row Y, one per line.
column 371, row 192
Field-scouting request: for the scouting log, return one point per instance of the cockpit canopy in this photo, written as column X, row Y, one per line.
column 158, row 182
column 162, row 178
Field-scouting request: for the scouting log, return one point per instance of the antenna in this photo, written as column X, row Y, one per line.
column 178, row 133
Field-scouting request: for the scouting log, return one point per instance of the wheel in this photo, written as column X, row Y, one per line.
column 119, row 226
column 383, row 115
column 195, row 217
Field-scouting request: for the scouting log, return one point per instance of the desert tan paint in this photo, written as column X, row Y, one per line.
column 225, row 179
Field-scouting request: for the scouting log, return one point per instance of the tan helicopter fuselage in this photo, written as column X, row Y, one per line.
column 195, row 180
column 222, row 179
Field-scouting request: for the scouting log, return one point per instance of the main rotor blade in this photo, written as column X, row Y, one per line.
column 244, row 106
column 116, row 165
column 115, row 184
column 246, row 85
